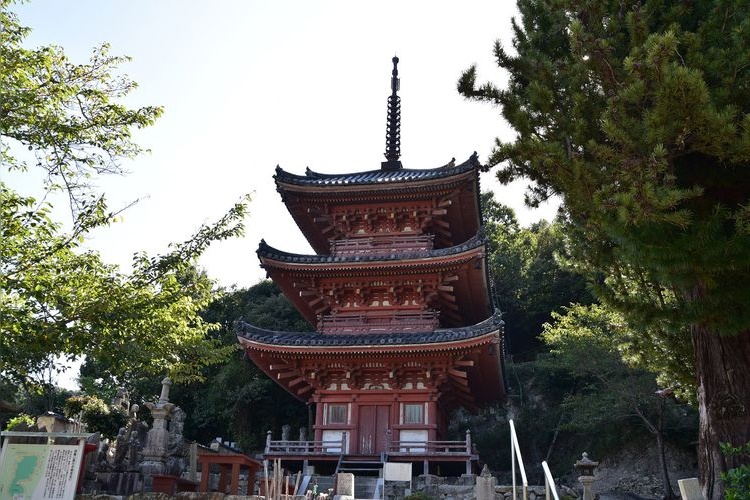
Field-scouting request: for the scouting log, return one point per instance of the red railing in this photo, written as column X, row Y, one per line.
column 379, row 322
column 382, row 245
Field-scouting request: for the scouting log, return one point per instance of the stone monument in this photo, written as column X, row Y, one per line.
column 155, row 452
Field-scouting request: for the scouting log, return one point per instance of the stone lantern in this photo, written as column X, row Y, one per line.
column 586, row 468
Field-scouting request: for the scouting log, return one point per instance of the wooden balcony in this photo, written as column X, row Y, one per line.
column 448, row 449
column 461, row 453
column 387, row 321
column 382, row 245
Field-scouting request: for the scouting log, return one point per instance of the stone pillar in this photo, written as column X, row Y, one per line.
column 484, row 488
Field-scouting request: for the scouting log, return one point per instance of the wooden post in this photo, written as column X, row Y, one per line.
column 223, row 479
column 235, row 479
column 205, row 474
column 265, row 477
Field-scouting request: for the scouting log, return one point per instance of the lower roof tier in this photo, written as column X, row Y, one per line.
column 461, row 366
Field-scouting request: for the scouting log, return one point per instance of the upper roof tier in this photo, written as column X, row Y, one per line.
column 444, row 201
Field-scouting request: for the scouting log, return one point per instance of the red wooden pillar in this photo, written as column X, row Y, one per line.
column 432, row 419
column 223, row 478
column 235, row 478
column 319, row 421
column 354, row 422
column 205, row 474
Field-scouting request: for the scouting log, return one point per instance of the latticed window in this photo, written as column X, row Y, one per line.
column 336, row 414
column 413, row 413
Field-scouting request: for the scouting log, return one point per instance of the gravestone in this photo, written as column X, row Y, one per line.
column 485, row 485
column 344, row 486
column 690, row 489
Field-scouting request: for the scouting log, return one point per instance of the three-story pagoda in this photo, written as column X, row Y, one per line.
column 398, row 291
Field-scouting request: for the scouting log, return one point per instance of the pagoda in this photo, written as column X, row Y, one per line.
column 398, row 291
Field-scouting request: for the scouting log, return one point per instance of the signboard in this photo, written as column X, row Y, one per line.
column 39, row 471
column 395, row 471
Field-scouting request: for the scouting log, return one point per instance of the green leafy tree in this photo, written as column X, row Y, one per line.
column 528, row 280
column 636, row 113
column 58, row 300
column 586, row 342
column 238, row 401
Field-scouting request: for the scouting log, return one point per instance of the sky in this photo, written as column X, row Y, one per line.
column 249, row 85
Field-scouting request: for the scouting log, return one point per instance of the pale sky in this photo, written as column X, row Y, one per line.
column 247, row 85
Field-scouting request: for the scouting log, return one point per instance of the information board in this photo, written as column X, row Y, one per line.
column 39, row 471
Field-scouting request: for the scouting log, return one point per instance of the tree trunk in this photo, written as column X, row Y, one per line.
column 723, row 372
column 666, row 484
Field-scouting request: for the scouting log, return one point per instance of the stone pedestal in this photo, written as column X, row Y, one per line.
column 588, row 490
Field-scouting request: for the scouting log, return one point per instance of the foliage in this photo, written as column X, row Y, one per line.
column 41, row 397
column 736, row 480
column 56, row 298
column 20, row 422
column 60, row 301
column 586, row 343
column 637, row 114
column 97, row 415
column 66, row 114
column 237, row 399
column 528, row 280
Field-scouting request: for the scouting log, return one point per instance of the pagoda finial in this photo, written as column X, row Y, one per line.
column 393, row 128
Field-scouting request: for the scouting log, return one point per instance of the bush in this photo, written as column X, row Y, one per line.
column 96, row 415
column 736, row 480
column 21, row 422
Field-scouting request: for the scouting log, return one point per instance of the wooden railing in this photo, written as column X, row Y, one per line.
column 306, row 447
column 435, row 448
column 464, row 447
column 429, row 448
column 379, row 322
column 382, row 245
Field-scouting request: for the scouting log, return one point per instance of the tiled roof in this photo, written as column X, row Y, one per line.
column 376, row 177
column 267, row 251
column 314, row 339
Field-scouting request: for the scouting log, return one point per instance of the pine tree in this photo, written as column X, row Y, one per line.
column 636, row 113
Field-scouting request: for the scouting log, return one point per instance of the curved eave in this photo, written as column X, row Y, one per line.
column 374, row 179
column 482, row 342
column 305, row 343
column 274, row 258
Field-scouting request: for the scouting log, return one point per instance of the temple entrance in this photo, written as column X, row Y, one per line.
column 373, row 425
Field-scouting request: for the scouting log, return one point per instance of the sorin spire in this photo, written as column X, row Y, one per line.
column 393, row 128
